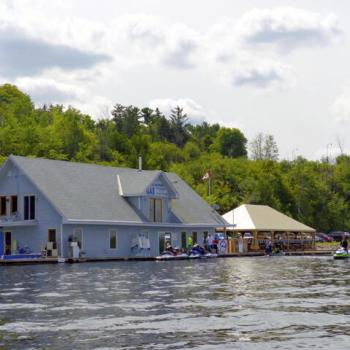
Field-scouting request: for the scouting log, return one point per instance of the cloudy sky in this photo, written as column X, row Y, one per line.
column 263, row 66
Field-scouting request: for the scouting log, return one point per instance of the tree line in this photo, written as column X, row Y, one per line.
column 314, row 192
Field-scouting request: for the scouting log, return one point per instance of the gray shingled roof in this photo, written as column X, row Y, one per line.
column 190, row 207
column 91, row 192
column 140, row 180
column 263, row 218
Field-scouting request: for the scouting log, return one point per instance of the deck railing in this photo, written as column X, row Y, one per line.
column 11, row 218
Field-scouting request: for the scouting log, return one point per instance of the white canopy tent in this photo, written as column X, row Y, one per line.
column 263, row 221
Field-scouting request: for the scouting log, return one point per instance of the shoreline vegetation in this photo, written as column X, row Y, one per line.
column 316, row 193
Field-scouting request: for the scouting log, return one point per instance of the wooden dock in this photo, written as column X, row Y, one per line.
column 151, row 258
column 29, row 261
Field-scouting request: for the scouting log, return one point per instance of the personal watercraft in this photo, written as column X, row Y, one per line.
column 341, row 253
column 167, row 255
column 198, row 252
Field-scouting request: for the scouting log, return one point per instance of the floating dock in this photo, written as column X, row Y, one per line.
column 143, row 258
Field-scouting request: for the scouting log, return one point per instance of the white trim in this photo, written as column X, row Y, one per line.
column 120, row 188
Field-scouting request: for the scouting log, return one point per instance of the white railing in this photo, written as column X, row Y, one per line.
column 10, row 218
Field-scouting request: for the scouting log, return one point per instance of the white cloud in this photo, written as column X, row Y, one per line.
column 331, row 152
column 96, row 106
column 69, row 56
column 141, row 38
column 48, row 91
column 288, row 28
column 181, row 45
column 194, row 111
column 247, row 52
column 258, row 72
column 341, row 107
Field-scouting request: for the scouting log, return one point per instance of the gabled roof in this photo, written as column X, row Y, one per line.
column 141, row 180
column 248, row 217
column 190, row 207
column 86, row 192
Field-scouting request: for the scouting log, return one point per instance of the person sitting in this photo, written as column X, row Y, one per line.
column 210, row 243
column 344, row 243
column 215, row 243
column 169, row 248
column 197, row 249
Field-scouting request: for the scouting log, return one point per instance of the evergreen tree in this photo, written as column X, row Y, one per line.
column 178, row 121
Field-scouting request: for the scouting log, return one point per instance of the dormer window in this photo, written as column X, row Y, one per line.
column 156, row 209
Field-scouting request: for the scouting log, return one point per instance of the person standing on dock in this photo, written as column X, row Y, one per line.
column 189, row 242
column 210, row 243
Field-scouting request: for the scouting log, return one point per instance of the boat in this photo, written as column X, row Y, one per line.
column 209, row 255
column 341, row 253
column 199, row 253
column 194, row 256
column 171, row 256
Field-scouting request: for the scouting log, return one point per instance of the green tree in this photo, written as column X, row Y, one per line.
column 178, row 122
column 230, row 142
column 263, row 147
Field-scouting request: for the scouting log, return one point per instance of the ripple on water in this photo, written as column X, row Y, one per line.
column 256, row 303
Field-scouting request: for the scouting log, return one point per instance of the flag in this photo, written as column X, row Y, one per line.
column 207, row 175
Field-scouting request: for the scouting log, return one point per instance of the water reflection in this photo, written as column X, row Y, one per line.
column 255, row 303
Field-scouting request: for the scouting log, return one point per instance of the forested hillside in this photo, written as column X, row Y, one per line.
column 316, row 193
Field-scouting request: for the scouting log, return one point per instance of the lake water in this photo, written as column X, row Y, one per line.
column 241, row 303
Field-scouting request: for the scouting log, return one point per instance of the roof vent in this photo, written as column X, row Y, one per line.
column 140, row 163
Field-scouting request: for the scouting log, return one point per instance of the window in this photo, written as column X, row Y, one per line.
column 8, row 243
column 14, row 205
column 3, row 209
column 205, row 236
column 29, row 207
column 194, row 238
column 113, row 241
column 155, row 210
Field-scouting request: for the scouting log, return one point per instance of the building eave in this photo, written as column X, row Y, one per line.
column 138, row 224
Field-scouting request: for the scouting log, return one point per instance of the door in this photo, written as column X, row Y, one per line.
column 161, row 242
column 164, row 240
column 8, row 243
column 51, row 236
column 194, row 238
column 2, row 245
